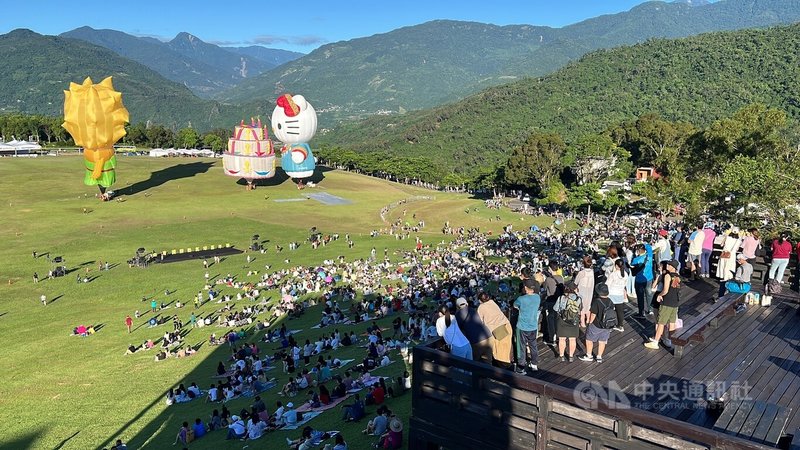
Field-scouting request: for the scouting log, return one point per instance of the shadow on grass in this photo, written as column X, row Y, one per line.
column 62, row 443
column 162, row 176
column 155, row 433
column 26, row 441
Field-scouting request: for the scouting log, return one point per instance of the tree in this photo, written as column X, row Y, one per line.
column 662, row 143
column 588, row 195
column 596, row 157
column 537, row 162
column 754, row 130
column 187, row 138
column 214, row 142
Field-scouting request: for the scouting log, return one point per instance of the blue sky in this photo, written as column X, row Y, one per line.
column 299, row 25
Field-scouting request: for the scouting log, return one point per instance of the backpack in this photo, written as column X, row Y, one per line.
column 571, row 314
column 608, row 315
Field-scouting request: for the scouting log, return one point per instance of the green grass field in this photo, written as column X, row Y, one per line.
column 60, row 391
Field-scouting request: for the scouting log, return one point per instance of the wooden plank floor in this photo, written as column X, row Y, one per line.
column 756, row 352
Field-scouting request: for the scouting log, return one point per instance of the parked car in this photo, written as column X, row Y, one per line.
column 526, row 198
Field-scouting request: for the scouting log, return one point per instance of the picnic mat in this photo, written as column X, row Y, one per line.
column 307, row 407
column 306, row 417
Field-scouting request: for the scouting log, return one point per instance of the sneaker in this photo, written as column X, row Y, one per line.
column 570, row 359
column 652, row 345
column 288, row 441
column 520, row 370
column 587, row 358
column 562, row 358
column 667, row 343
column 533, row 367
column 620, row 329
column 650, row 313
column 599, row 359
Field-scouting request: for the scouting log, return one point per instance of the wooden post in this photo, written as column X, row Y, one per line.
column 542, row 422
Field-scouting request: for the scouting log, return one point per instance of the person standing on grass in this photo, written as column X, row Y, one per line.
column 667, row 300
column 128, row 323
column 153, row 305
column 527, row 326
column 35, row 277
column 43, row 299
column 596, row 331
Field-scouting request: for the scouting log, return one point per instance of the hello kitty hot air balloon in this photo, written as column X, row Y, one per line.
column 294, row 123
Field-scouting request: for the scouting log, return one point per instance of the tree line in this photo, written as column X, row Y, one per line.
column 48, row 131
column 740, row 167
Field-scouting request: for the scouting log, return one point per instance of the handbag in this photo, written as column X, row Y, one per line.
column 447, row 347
column 725, row 254
column 500, row 332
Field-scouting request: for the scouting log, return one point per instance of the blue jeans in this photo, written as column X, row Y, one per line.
column 705, row 262
column 678, row 256
column 643, row 296
column 778, row 268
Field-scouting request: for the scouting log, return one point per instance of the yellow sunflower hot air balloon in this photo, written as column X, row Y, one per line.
column 95, row 117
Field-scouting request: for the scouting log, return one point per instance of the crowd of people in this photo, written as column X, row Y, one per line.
column 480, row 293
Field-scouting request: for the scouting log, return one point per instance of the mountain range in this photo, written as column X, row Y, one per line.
column 37, row 69
column 204, row 68
column 697, row 79
column 411, row 68
column 436, row 62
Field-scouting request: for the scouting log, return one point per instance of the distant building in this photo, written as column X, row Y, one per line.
column 647, row 173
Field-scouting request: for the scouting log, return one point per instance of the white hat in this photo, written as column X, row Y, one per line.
column 741, row 256
column 461, row 302
column 235, row 418
column 290, row 405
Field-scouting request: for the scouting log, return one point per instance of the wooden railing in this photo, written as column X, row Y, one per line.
column 462, row 404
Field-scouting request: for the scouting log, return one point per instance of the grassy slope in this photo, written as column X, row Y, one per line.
column 84, row 392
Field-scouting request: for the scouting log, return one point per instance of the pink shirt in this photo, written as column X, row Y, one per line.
column 708, row 242
column 749, row 246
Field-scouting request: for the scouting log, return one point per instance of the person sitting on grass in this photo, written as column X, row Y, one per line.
column 183, row 435
column 378, row 425
column 199, row 428
column 290, row 415
column 376, row 395
column 313, row 399
column 393, row 439
column 340, row 390
column 339, row 444
column 236, row 430
column 255, row 427
column 324, row 395
column 310, row 438
column 215, row 422
column 355, row 411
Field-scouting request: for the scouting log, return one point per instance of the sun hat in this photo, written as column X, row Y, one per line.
column 290, row 405
column 396, row 425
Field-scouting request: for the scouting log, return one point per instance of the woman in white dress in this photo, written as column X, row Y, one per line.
column 726, row 267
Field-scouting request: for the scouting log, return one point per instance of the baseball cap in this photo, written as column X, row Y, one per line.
column 461, row 302
column 662, row 232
